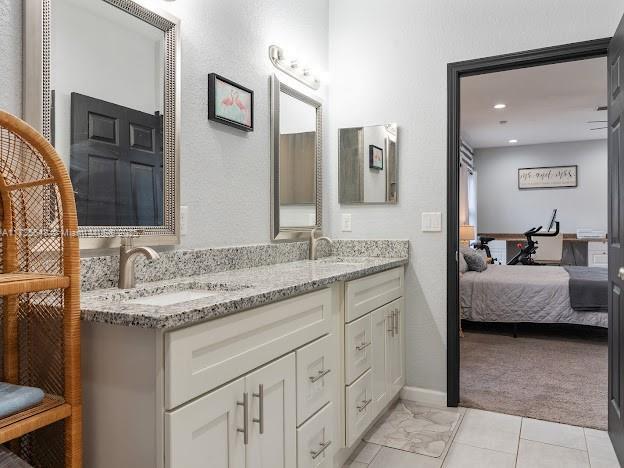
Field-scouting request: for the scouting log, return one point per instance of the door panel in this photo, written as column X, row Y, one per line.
column 616, row 252
column 272, row 413
column 207, row 429
column 128, row 190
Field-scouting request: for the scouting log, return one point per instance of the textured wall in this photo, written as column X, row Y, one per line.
column 388, row 64
column 11, row 56
column 502, row 207
column 224, row 172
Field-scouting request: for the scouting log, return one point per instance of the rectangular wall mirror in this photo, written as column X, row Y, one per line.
column 102, row 86
column 368, row 164
column 296, row 151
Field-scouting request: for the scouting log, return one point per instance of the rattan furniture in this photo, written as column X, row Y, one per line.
column 40, row 296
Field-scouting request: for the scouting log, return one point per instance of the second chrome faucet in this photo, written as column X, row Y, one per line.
column 314, row 241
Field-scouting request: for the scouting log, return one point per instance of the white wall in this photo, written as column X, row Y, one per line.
column 388, row 64
column 11, row 56
column 503, row 208
column 225, row 172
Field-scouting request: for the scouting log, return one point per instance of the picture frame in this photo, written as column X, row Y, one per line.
column 550, row 177
column 230, row 103
column 375, row 157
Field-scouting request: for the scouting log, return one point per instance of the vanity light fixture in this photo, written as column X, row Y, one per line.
column 500, row 106
column 291, row 67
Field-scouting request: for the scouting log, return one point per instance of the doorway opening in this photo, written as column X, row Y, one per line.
column 463, row 225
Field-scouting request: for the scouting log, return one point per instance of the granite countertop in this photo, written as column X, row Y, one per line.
column 231, row 291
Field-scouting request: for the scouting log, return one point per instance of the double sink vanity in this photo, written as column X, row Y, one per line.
column 279, row 365
column 243, row 356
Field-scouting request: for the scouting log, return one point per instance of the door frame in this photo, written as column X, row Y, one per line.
column 455, row 71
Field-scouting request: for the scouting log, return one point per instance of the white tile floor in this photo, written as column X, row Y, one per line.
column 493, row 440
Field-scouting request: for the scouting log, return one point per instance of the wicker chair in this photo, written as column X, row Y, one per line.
column 39, row 296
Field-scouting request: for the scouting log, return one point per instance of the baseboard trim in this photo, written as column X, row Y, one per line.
column 424, row 395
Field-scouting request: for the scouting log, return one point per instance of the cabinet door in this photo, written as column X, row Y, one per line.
column 272, row 415
column 358, row 350
column 316, row 442
column 395, row 364
column 207, row 429
column 382, row 330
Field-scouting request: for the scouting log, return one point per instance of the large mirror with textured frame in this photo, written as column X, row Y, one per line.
column 101, row 83
column 296, row 152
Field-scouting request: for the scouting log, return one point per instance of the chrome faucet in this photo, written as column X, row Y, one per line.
column 314, row 240
column 127, row 257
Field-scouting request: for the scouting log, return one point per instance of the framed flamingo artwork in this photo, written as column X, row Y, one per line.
column 230, row 103
column 375, row 157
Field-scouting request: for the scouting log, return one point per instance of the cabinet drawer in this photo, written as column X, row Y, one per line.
column 202, row 357
column 316, row 377
column 316, row 440
column 601, row 247
column 358, row 348
column 359, row 399
column 367, row 294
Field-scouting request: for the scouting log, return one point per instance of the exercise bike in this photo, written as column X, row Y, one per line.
column 525, row 256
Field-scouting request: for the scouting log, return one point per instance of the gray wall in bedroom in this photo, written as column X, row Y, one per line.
column 503, row 208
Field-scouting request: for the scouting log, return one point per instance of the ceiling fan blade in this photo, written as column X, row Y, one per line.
column 597, row 121
column 599, row 128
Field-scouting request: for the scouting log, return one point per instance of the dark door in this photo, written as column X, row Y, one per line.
column 616, row 248
column 116, row 164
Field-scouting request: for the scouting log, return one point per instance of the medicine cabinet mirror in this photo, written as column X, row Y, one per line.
column 296, row 152
column 101, row 83
column 368, row 164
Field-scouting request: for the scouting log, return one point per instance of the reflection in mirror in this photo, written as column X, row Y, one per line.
column 297, row 162
column 368, row 161
column 107, row 85
column 296, row 158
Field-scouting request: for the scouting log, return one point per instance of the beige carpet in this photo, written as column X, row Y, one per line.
column 552, row 376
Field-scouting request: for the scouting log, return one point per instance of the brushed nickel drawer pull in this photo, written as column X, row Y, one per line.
column 364, row 404
column 260, row 396
column 396, row 321
column 363, row 346
column 319, row 376
column 245, row 429
column 324, row 446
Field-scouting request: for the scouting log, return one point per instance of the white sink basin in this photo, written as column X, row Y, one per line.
column 165, row 295
column 166, row 299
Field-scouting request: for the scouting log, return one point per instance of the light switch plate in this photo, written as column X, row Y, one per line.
column 431, row 222
column 346, row 222
column 184, row 214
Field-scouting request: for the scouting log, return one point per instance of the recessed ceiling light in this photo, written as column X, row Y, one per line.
column 500, row 106
column 513, row 141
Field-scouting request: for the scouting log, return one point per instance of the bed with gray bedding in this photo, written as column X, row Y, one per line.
column 537, row 294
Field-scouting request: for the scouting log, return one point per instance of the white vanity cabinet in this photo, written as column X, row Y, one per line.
column 291, row 384
column 253, row 418
column 374, row 348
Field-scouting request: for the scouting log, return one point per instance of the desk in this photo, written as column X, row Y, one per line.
column 575, row 251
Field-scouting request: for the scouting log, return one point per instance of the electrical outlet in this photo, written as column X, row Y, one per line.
column 184, row 214
column 346, row 223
